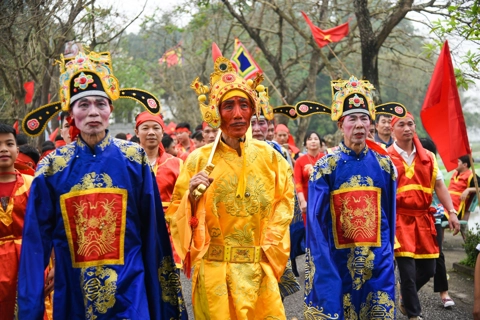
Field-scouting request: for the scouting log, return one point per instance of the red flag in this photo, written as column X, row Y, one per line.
column 325, row 37
column 442, row 115
column 172, row 56
column 15, row 126
column 29, row 88
column 53, row 135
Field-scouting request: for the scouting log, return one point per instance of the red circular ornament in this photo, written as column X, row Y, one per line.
column 228, row 78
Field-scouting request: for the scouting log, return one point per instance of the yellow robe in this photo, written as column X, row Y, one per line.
column 234, row 228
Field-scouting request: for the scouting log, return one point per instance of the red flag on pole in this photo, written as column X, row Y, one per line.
column 442, row 115
column 325, row 37
column 29, row 88
column 15, row 126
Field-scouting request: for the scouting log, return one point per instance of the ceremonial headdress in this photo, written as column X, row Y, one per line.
column 226, row 83
column 81, row 76
column 348, row 96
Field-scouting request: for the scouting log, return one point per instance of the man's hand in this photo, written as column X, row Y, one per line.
column 465, row 194
column 49, row 282
column 196, row 180
column 303, row 206
column 453, row 223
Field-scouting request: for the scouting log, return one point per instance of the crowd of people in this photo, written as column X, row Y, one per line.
column 100, row 227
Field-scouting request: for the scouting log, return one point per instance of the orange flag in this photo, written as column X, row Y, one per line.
column 29, row 88
column 325, row 37
column 442, row 115
column 15, row 126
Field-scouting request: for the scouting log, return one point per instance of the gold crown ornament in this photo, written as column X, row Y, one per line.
column 348, row 96
column 224, row 80
column 82, row 76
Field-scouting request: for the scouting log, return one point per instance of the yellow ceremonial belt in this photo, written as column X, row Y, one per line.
column 414, row 187
column 166, row 204
column 10, row 239
column 235, row 254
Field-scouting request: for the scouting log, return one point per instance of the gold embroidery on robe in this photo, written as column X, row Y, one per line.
column 378, row 306
column 314, row 313
column 54, row 163
column 360, row 264
column 99, row 286
column 132, row 152
column 349, row 308
column 169, row 281
column 309, row 271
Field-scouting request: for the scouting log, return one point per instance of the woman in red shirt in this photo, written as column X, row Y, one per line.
column 304, row 167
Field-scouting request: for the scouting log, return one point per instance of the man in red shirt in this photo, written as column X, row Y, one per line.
column 418, row 177
column 462, row 188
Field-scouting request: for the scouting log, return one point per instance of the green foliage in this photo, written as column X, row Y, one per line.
column 472, row 239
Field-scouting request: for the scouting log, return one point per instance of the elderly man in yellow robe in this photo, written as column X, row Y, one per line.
column 235, row 234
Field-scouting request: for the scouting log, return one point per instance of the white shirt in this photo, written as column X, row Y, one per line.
column 409, row 158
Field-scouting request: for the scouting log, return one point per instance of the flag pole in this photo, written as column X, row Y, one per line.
column 343, row 66
column 276, row 90
column 472, row 165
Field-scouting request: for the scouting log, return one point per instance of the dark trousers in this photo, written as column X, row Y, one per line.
column 440, row 282
column 414, row 274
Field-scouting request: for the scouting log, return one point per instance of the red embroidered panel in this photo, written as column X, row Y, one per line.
column 356, row 216
column 94, row 222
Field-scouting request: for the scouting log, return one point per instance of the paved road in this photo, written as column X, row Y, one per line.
column 461, row 290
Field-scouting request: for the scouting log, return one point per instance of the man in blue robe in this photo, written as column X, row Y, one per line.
column 351, row 215
column 96, row 204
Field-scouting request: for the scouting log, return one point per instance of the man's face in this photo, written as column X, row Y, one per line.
column 354, row 128
column 65, row 131
column 404, row 129
column 281, row 137
column 150, row 134
column 235, row 113
column 198, row 143
column 171, row 149
column 271, row 132
column 371, row 131
column 461, row 166
column 259, row 128
column 91, row 114
column 383, row 125
column 182, row 136
column 8, row 151
column 209, row 134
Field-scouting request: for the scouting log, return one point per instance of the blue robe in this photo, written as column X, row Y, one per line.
column 100, row 211
column 349, row 270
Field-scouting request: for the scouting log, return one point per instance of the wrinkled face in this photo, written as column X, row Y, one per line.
column 281, row 137
column 209, row 134
column 354, row 128
column 271, row 132
column 91, row 114
column 235, row 114
column 383, row 126
column 259, row 128
column 64, row 132
column 312, row 143
column 150, row 134
column 8, row 151
column 404, row 129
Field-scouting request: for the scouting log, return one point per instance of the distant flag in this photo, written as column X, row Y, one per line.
column 15, row 126
column 29, row 88
column 442, row 115
column 172, row 56
column 243, row 60
column 325, row 37
column 53, row 135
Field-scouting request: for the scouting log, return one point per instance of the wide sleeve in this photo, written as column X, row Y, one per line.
column 298, row 175
column 323, row 285
column 180, row 212
column 276, row 243
column 161, row 279
column 36, row 250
